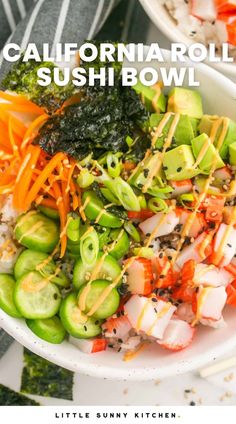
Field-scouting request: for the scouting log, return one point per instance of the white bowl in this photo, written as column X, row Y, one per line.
column 219, row 96
column 163, row 20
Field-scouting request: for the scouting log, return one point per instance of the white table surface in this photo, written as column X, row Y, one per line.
column 217, row 390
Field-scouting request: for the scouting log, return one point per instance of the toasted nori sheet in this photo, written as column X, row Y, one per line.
column 41, row 377
column 9, row 397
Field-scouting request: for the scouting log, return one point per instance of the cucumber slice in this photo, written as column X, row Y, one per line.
column 7, row 304
column 110, row 304
column 109, row 271
column 50, row 329
column 94, row 208
column 32, row 304
column 28, row 261
column 122, row 245
column 82, row 330
column 37, row 232
column 49, row 212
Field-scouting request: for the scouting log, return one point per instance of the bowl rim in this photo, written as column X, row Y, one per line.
column 22, row 334
column 172, row 32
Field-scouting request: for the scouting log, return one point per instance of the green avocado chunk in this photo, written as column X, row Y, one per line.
column 206, row 125
column 199, row 144
column 232, row 153
column 184, row 132
column 185, row 101
column 148, row 95
column 178, row 163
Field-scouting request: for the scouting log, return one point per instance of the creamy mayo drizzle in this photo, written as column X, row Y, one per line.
column 83, row 207
column 34, row 228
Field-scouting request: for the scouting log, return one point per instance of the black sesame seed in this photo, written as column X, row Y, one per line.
column 145, row 172
column 154, row 299
column 161, row 255
column 179, row 169
column 55, row 296
column 228, row 244
column 192, row 403
column 161, row 276
column 169, row 257
column 114, row 330
column 165, row 168
column 96, row 322
column 85, row 328
column 187, row 391
column 148, row 234
column 110, row 345
column 120, row 340
column 119, row 349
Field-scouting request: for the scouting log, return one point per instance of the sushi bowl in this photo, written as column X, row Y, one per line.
column 153, row 362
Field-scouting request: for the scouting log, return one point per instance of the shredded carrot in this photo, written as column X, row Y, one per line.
column 49, row 168
column 18, row 127
column 23, row 185
column 33, row 129
column 49, row 203
column 22, row 108
column 30, row 173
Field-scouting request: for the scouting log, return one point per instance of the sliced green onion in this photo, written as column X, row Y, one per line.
column 113, row 165
column 142, row 201
column 109, row 195
column 103, row 176
column 86, row 161
column 144, row 252
column 89, row 248
column 129, row 141
column 160, row 192
column 125, row 194
column 85, row 178
column 185, row 198
column 132, row 231
column 157, row 205
column 73, row 228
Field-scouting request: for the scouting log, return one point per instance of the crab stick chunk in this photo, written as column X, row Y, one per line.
column 177, row 336
column 210, row 303
column 89, row 346
column 149, row 316
column 181, row 187
column 161, row 224
column 203, row 9
column 224, row 247
column 117, row 327
column 198, row 250
column 220, row 323
column 140, row 276
column 185, row 312
column 198, row 225
column 210, row 275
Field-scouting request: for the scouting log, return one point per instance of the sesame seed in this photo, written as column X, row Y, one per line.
column 179, row 169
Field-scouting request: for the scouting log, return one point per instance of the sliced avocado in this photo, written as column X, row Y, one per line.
column 194, row 123
column 178, row 163
column 206, row 125
column 184, row 132
column 139, row 179
column 209, row 157
column 148, row 95
column 185, row 101
column 95, row 208
column 232, row 154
